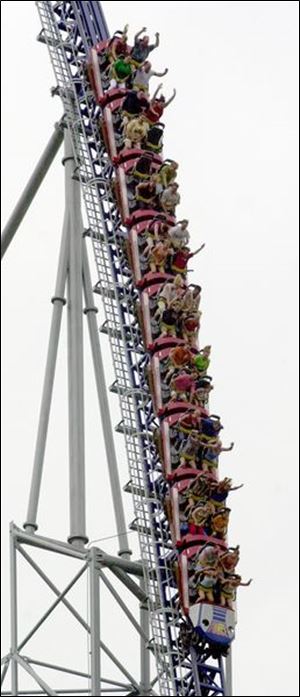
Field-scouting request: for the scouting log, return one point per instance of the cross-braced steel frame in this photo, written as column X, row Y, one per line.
column 93, row 561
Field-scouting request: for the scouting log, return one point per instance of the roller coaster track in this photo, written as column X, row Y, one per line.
column 70, row 29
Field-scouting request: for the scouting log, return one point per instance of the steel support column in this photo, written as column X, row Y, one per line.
column 94, row 622
column 58, row 303
column 144, row 650
column 31, row 188
column 75, row 354
column 228, row 673
column 111, row 457
column 13, row 613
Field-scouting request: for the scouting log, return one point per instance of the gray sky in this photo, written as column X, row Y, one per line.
column 233, row 129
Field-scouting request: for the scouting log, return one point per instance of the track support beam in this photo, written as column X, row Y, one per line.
column 32, row 187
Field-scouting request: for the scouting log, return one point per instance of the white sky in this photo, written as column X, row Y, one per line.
column 233, row 129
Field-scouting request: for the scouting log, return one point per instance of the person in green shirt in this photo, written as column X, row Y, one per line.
column 202, row 360
column 120, row 72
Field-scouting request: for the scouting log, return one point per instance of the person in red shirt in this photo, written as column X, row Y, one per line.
column 183, row 387
column 190, row 328
column 157, row 106
column 181, row 257
column 117, row 45
column 190, row 421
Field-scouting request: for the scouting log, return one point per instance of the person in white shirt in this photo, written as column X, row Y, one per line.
column 179, row 234
column 170, row 198
column 143, row 75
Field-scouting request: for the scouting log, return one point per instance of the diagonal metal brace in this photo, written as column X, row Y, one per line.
column 35, row 676
column 32, row 186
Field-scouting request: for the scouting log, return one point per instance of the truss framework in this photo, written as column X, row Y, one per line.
column 93, row 562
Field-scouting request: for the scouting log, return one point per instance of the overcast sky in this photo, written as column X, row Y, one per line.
column 233, row 129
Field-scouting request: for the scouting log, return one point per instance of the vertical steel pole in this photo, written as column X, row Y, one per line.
column 75, row 354
column 94, row 623
column 145, row 685
column 111, row 458
column 58, row 303
column 13, row 612
column 228, row 673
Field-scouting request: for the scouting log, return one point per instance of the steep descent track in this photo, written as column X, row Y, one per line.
column 70, row 29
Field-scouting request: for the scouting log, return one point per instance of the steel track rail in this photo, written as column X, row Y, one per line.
column 67, row 52
column 69, row 30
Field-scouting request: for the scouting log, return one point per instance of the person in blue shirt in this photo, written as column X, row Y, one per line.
column 142, row 48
